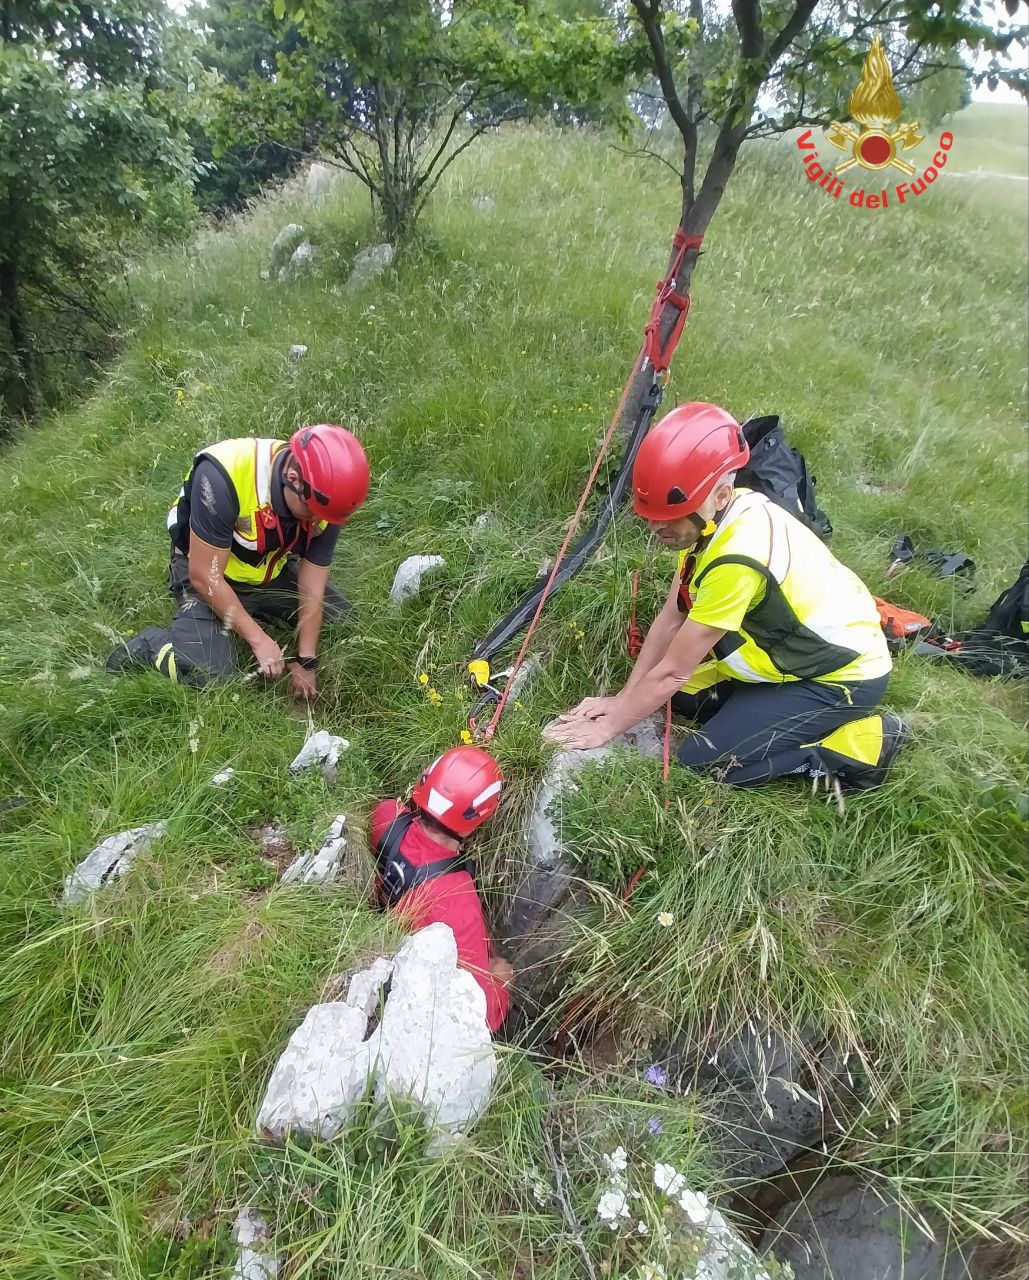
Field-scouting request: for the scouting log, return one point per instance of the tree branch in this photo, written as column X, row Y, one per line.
column 646, row 152
column 794, row 25
column 650, row 19
column 747, row 15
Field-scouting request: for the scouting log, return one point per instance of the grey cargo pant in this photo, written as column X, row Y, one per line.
column 198, row 647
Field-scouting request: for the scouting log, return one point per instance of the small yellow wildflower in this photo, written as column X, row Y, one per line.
column 423, row 678
column 466, row 737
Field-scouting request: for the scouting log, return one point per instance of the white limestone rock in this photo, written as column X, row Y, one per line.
column 253, row 1263
column 407, row 580
column 365, row 990
column 283, row 246
column 321, row 1074
column 430, row 1045
column 322, row 748
column 433, row 1043
column 322, row 865
column 300, row 260
column 110, row 860
column 525, row 675
column 321, row 179
column 541, row 838
column 369, row 263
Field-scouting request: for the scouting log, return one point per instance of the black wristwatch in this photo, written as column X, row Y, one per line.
column 309, row 664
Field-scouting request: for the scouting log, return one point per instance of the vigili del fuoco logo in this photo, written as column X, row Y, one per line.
column 875, row 146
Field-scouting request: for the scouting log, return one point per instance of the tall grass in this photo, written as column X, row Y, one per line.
column 139, row 1029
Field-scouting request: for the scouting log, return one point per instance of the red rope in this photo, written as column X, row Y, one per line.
column 660, row 357
column 634, row 638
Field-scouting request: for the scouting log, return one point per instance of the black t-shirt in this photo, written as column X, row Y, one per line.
column 214, row 508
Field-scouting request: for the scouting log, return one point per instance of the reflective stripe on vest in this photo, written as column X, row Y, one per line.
column 249, row 464
column 816, row 621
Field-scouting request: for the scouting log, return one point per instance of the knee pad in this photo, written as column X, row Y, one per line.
column 861, row 752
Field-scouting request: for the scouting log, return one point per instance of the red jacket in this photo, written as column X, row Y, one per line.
column 448, row 899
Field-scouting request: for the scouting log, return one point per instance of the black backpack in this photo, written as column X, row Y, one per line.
column 781, row 473
column 1000, row 647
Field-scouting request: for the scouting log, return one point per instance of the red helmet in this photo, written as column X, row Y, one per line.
column 334, row 470
column 460, row 790
column 682, row 459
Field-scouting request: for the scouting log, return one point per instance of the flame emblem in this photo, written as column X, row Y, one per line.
column 875, row 105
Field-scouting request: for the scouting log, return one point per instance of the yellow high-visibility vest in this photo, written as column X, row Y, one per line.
column 247, row 464
column 816, row 621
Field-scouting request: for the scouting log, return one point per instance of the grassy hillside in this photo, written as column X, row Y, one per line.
column 139, row 1029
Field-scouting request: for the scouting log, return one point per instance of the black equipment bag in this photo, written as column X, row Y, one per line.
column 1000, row 647
column 781, row 473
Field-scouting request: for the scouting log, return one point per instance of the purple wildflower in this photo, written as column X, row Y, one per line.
column 654, row 1126
column 655, row 1074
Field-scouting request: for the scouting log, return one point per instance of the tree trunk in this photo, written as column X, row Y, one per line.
column 694, row 220
column 21, row 338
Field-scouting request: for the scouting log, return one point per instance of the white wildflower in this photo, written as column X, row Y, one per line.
column 617, row 1161
column 694, row 1205
column 194, row 736
column 612, row 1209
column 665, row 919
column 642, row 1229
column 668, row 1179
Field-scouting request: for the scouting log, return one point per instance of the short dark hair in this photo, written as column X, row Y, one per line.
column 432, row 824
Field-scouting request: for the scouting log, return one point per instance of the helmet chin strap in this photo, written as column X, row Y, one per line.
column 705, row 528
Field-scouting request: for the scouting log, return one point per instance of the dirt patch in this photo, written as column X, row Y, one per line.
column 274, row 844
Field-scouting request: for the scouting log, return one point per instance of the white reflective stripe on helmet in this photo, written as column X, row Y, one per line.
column 438, row 805
column 492, row 790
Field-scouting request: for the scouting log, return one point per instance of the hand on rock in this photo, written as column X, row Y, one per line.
column 580, row 734
column 588, row 709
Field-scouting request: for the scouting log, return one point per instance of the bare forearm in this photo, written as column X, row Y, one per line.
column 662, row 632
column 311, row 583
column 309, row 626
column 217, row 593
column 651, row 691
column 690, row 646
